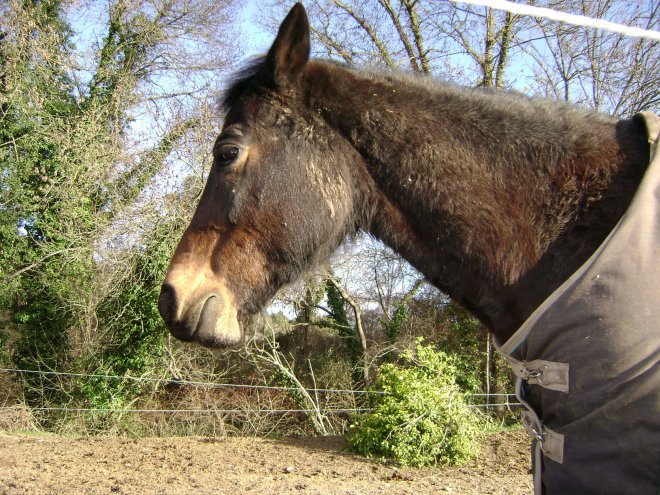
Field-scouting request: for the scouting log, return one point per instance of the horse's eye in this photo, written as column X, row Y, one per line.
column 227, row 154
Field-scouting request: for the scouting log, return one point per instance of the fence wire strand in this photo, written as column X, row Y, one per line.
column 177, row 381
column 221, row 385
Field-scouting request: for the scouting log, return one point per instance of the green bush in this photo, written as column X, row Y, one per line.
column 421, row 418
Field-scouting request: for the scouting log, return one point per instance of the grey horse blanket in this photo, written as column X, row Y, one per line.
column 588, row 360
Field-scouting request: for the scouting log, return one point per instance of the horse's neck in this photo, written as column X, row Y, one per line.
column 496, row 224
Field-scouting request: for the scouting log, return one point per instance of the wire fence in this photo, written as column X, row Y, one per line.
column 194, row 410
column 176, row 381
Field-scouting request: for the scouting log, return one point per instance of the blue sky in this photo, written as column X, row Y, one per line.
column 256, row 38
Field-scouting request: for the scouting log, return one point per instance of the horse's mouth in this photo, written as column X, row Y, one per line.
column 211, row 328
column 208, row 317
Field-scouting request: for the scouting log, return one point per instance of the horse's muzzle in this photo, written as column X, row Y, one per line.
column 207, row 319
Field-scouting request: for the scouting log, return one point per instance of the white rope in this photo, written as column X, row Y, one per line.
column 574, row 19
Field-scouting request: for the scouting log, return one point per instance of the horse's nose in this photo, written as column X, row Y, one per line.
column 183, row 327
column 167, row 304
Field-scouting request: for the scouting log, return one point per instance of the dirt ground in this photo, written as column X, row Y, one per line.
column 44, row 465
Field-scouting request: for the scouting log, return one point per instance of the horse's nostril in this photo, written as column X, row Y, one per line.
column 167, row 303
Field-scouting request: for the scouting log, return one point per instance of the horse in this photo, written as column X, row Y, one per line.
column 495, row 197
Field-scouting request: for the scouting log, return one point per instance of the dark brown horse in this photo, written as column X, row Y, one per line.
column 496, row 198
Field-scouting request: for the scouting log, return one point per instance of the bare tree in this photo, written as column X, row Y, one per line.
column 606, row 71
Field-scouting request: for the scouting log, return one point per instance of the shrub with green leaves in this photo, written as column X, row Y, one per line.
column 421, row 418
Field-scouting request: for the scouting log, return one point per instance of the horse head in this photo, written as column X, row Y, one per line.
column 279, row 197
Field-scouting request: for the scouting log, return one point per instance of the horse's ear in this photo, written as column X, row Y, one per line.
column 290, row 51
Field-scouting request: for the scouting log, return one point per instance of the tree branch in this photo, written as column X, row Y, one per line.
column 414, row 25
column 412, row 58
column 382, row 50
column 37, row 263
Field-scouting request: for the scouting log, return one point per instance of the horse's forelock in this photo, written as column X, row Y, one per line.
column 242, row 80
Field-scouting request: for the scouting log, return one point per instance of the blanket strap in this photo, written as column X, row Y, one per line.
column 547, row 374
column 550, row 375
